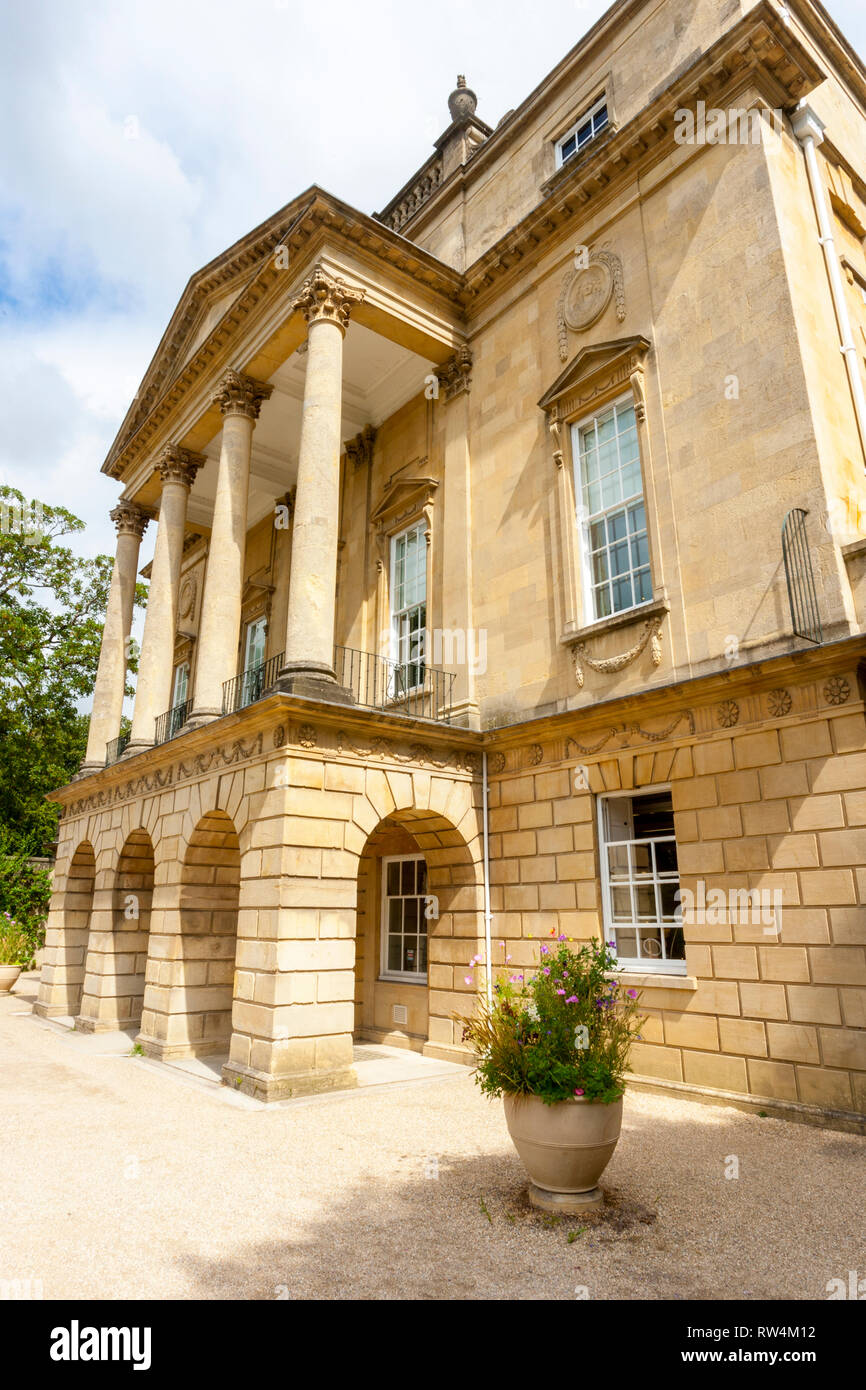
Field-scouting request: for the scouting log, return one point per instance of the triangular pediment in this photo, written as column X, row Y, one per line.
column 597, row 369
column 404, row 497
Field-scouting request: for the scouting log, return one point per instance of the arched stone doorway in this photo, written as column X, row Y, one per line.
column 419, row 923
column 66, row 936
column 201, row 1015
column 117, row 957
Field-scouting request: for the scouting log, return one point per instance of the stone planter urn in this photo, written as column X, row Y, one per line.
column 8, row 975
column 565, row 1148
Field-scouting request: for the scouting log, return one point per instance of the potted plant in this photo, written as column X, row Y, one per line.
column 556, row 1047
column 14, row 948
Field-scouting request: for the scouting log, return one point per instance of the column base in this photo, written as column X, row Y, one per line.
column 262, row 1086
column 87, row 770
column 198, row 718
column 314, row 682
column 141, row 745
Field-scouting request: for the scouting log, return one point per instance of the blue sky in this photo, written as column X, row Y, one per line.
column 143, row 137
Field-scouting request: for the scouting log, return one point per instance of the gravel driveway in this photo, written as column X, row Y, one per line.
column 123, row 1179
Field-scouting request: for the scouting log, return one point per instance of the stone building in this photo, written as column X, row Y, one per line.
column 509, row 578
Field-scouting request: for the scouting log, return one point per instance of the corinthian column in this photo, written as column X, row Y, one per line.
column 239, row 398
column 110, row 685
column 326, row 303
column 177, row 469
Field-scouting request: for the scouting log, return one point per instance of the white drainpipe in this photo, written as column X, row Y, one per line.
column 488, row 949
column 809, row 130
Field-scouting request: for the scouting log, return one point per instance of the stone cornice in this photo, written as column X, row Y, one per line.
column 239, row 394
column 759, row 50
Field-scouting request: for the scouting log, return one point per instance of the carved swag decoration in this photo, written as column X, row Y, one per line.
column 651, row 633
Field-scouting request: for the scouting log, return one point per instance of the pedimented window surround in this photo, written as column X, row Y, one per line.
column 404, row 501
column 596, row 376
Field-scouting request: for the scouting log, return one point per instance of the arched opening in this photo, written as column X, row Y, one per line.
column 133, row 897
column 209, row 896
column 419, row 924
column 67, row 931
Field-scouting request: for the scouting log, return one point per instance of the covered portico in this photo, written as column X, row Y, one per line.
column 252, row 400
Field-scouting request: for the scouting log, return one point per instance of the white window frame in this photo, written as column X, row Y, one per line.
column 590, row 116
column 643, row 965
column 586, row 519
column 406, row 977
column 181, row 666
column 254, row 623
column 395, row 614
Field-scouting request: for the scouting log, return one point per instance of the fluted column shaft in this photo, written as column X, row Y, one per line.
column 177, row 468
column 110, row 685
column 239, row 398
column 326, row 303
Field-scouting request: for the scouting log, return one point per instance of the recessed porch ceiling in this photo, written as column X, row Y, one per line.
column 379, row 376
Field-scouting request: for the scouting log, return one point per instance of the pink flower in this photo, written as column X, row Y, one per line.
column 469, row 980
column 508, row 958
column 578, row 1091
column 544, row 950
column 572, row 999
column 560, row 991
column 546, row 970
column 632, row 993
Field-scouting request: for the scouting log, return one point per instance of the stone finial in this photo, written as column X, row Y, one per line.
column 462, row 101
column 326, row 297
column 129, row 519
column 238, row 394
column 178, row 465
column 455, row 375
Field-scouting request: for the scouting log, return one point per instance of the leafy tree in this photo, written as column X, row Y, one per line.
column 52, row 607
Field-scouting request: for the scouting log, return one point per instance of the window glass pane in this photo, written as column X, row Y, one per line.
column 393, row 885
column 602, row 603
column 407, row 876
column 410, row 953
column 621, row 902
column 599, row 567
column 422, row 875
column 668, row 900
column 675, row 946
column 395, row 915
column 394, row 953
column 626, row 943
column 650, row 944
column 622, row 595
column 643, row 587
column 422, row 955
column 666, row 856
column 410, row 915
column 618, row 861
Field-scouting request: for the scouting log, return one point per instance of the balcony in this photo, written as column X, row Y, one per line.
column 168, row 725
column 251, row 685
column 411, row 688
column 114, row 749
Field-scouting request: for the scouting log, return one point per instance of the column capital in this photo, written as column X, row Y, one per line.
column 455, row 375
column 129, row 519
column 326, row 298
column 178, row 465
column 238, row 394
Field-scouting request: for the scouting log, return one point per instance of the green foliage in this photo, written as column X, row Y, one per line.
column 24, row 892
column 565, row 1032
column 52, row 606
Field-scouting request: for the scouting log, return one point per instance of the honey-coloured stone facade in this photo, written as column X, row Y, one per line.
column 334, row 381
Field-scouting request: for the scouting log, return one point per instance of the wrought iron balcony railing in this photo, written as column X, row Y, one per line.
column 114, row 749
column 412, row 688
column 251, row 685
column 171, row 723
column 805, row 616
